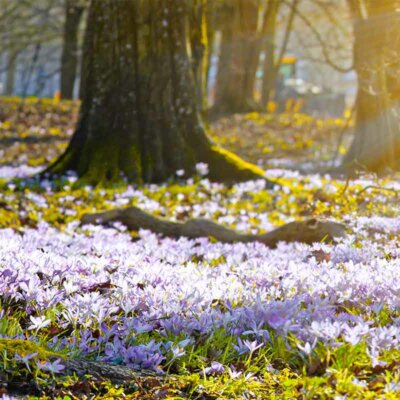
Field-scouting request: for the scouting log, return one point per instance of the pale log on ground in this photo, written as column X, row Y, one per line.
column 307, row 231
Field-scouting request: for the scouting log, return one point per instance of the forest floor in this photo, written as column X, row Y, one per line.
column 34, row 132
column 197, row 319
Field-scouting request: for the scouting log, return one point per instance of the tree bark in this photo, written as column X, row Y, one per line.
column 211, row 20
column 238, row 58
column 133, row 218
column 139, row 116
column 200, row 49
column 376, row 143
column 117, row 374
column 272, row 66
column 269, row 30
column 69, row 59
column 11, row 71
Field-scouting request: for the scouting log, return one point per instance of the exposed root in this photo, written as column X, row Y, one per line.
column 308, row 231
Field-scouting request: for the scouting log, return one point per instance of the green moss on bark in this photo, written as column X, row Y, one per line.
column 25, row 347
column 228, row 167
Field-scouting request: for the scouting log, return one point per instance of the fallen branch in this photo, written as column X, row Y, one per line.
column 308, row 231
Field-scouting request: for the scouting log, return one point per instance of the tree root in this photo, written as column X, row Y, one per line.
column 117, row 374
column 307, row 231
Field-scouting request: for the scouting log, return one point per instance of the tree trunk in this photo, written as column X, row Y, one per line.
column 69, row 58
column 139, row 116
column 273, row 65
column 11, row 71
column 269, row 73
column 199, row 56
column 211, row 19
column 238, row 58
column 376, row 143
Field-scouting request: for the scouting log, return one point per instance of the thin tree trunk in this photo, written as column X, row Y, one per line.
column 11, row 72
column 269, row 31
column 271, row 72
column 140, row 117
column 211, row 35
column 250, row 15
column 69, row 59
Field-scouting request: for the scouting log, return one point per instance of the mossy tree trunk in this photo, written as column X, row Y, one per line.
column 140, row 116
column 238, row 58
column 69, row 59
column 376, row 144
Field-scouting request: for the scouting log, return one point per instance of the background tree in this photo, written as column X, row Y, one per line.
column 140, row 116
column 26, row 27
column 269, row 45
column 376, row 144
column 11, row 70
column 272, row 57
column 238, row 56
column 69, row 59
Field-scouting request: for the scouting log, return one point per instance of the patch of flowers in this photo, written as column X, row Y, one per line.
column 21, row 171
column 166, row 305
column 230, row 320
column 124, row 301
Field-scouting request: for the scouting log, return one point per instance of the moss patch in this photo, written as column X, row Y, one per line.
column 225, row 166
column 25, row 347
